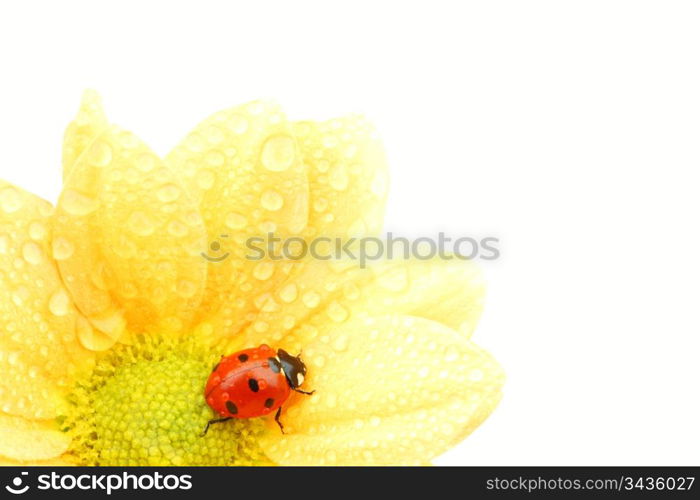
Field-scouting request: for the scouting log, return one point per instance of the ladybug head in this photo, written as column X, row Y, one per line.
column 293, row 367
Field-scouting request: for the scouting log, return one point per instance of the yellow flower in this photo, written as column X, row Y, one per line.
column 111, row 319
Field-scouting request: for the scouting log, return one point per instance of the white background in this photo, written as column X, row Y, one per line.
column 570, row 130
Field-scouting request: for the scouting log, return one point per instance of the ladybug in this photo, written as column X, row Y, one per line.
column 253, row 383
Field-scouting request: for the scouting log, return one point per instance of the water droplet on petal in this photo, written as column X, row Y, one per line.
column 59, row 303
column 141, row 224
column 205, row 179
column 186, row 289
column 235, row 221
column 10, row 200
column 337, row 312
column 177, row 228
column 278, row 153
column 320, row 205
column 271, row 200
column 100, row 154
column 338, row 178
column 238, row 124
column 288, row 293
column 263, row 270
column 37, row 231
column 311, row 299
column 168, row 193
column 341, row 343
column 32, row 253
column 77, row 204
column 62, row 249
column 91, row 338
column 146, row 162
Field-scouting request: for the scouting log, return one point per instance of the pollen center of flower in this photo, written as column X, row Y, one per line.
column 144, row 405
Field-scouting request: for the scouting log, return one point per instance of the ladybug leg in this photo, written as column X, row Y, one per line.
column 309, row 393
column 277, row 419
column 214, row 421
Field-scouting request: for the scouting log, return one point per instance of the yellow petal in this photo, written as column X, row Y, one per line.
column 24, row 440
column 319, row 294
column 39, row 352
column 127, row 237
column 83, row 130
column 243, row 167
column 391, row 390
column 347, row 174
column 52, row 462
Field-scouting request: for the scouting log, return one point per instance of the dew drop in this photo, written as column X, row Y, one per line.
column 337, row 312
column 177, row 228
column 62, row 249
column 186, row 289
column 288, row 293
column 141, row 224
column 146, row 162
column 100, row 154
column 475, row 375
column 338, row 178
column 168, row 193
column 37, row 231
column 32, row 253
column 59, row 303
column 311, row 299
column 341, row 343
column 278, row 153
column 78, row 204
column 10, row 200
column 205, row 179
column 320, row 205
column 451, row 354
column 238, row 124
column 271, row 200
column 263, row 270
column 235, row 221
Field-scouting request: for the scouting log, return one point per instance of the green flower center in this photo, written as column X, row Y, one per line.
column 144, row 405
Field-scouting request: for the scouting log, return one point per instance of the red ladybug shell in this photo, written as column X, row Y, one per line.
column 248, row 383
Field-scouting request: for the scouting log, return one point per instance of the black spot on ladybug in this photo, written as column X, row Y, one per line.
column 253, row 384
column 232, row 408
column 274, row 364
column 215, row 367
column 269, row 402
column 243, row 358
